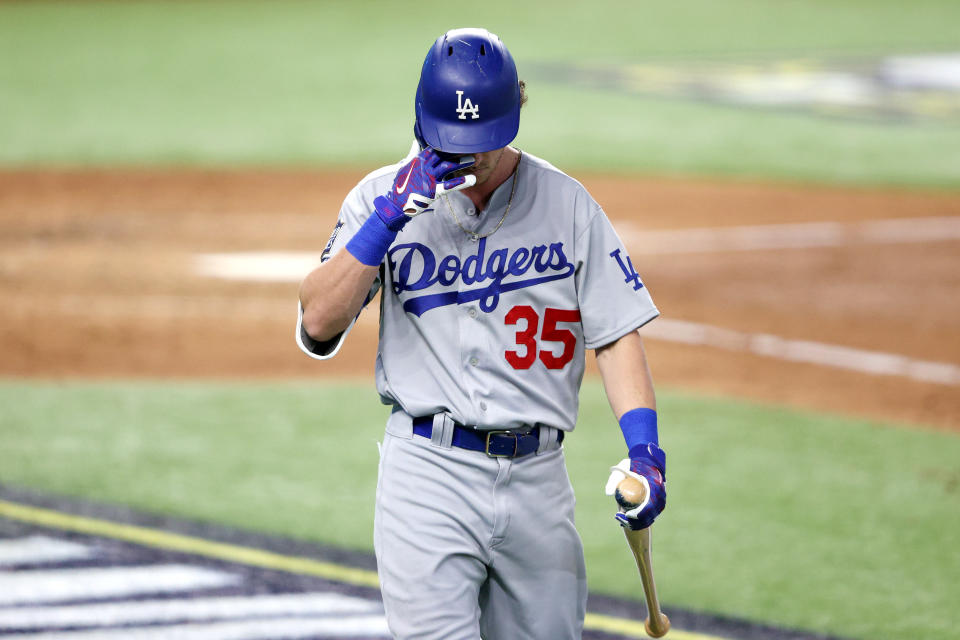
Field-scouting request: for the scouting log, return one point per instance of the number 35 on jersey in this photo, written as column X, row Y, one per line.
column 551, row 337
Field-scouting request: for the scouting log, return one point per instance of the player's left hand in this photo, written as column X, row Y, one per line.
column 418, row 183
column 648, row 465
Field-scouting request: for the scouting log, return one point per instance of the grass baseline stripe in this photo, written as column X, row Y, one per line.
column 265, row 559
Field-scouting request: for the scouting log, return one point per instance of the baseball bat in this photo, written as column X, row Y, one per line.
column 630, row 493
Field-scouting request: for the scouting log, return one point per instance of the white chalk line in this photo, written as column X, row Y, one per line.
column 32, row 601
column 60, row 585
column 192, row 609
column 803, row 351
column 40, row 550
column 262, row 629
column 257, row 266
column 804, row 235
column 292, row 266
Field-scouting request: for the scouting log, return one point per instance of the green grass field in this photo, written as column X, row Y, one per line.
column 327, row 84
column 809, row 521
column 798, row 519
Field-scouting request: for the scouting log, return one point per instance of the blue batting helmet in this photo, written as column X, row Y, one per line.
column 468, row 99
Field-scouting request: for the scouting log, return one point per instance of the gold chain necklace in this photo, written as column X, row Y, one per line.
column 474, row 236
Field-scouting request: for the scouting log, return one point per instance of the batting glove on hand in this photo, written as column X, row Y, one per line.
column 647, row 464
column 418, row 184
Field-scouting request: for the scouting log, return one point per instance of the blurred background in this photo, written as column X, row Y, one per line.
column 786, row 176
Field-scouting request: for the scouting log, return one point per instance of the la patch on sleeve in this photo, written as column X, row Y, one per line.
column 632, row 277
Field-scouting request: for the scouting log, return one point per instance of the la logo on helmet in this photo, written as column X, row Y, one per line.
column 463, row 108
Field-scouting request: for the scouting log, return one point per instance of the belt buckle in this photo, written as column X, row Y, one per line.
column 516, row 444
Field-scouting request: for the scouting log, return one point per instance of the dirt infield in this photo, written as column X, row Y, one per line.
column 97, row 279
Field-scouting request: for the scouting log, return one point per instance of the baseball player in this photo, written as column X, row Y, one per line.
column 497, row 272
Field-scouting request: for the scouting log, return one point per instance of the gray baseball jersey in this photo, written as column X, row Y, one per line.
column 484, row 321
column 487, row 317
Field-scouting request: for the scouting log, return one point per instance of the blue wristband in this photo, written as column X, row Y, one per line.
column 370, row 243
column 639, row 427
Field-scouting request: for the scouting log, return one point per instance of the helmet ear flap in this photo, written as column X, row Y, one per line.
column 419, row 135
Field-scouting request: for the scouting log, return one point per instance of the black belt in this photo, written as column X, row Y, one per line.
column 496, row 444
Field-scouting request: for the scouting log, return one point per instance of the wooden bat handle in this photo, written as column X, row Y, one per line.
column 630, row 493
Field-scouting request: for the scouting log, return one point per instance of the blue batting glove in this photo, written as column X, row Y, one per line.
column 647, row 463
column 417, row 184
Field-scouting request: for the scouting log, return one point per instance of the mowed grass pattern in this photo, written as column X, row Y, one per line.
column 833, row 525
column 293, row 83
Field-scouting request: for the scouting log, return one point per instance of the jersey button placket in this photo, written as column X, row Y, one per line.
column 471, row 356
column 472, row 333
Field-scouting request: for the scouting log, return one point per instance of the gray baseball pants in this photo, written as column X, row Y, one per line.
column 470, row 546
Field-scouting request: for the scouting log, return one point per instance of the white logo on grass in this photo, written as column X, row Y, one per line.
column 463, row 108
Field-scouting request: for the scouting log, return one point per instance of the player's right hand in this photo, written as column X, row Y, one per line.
column 417, row 184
